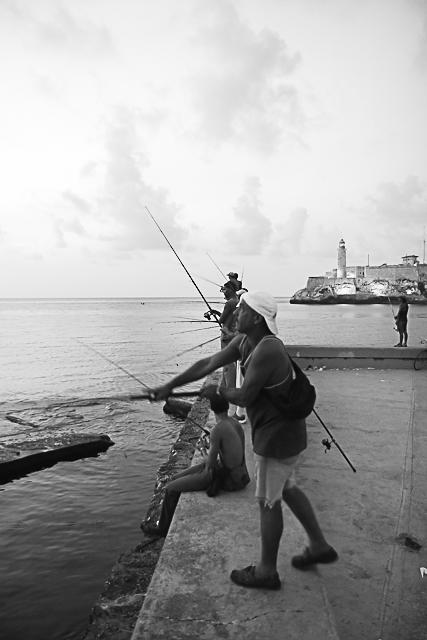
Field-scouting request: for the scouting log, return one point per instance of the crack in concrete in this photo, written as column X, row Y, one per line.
column 221, row 623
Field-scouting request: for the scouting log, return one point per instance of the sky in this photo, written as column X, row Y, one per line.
column 257, row 133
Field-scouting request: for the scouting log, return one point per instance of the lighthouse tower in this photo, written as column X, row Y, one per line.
column 342, row 263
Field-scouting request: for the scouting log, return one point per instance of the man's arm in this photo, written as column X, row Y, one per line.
column 200, row 369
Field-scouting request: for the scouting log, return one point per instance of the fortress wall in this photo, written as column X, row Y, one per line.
column 315, row 281
column 355, row 272
column 392, row 272
column 422, row 272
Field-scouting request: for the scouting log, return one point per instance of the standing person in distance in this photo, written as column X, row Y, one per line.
column 277, row 441
column 402, row 322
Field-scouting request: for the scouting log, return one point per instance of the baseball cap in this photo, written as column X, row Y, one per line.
column 264, row 304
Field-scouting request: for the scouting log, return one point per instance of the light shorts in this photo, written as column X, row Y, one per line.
column 272, row 476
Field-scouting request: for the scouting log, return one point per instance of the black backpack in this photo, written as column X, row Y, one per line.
column 301, row 397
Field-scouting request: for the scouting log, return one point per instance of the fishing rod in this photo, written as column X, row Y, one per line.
column 211, row 281
column 327, row 444
column 181, row 262
column 392, row 310
column 224, row 276
column 184, row 321
column 150, row 394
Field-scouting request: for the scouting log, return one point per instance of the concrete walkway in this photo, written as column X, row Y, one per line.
column 376, row 519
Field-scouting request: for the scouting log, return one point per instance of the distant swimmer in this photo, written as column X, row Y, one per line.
column 402, row 322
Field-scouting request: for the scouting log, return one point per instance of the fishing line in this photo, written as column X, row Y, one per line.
column 178, row 355
column 187, row 319
column 113, row 363
column 187, row 417
column 142, row 396
column 179, row 333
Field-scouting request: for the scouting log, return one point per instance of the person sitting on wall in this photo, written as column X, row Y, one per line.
column 223, row 467
column 402, row 322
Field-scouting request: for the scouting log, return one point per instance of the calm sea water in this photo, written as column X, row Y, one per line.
column 62, row 529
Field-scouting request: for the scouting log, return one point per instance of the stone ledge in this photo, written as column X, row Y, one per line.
column 354, row 357
column 114, row 615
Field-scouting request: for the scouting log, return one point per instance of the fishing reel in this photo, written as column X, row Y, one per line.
column 327, row 444
column 203, row 442
column 211, row 314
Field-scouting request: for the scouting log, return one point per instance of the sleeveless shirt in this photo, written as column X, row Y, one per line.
column 273, row 434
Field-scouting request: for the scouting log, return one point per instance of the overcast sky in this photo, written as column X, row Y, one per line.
column 260, row 132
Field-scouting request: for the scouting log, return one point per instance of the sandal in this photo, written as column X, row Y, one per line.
column 306, row 558
column 246, row 578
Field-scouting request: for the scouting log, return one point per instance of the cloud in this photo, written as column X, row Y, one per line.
column 287, row 236
column 421, row 54
column 242, row 92
column 253, row 230
column 76, row 201
column 61, row 30
column 256, row 234
column 64, row 226
column 400, row 204
column 126, row 193
column 388, row 223
column 65, row 32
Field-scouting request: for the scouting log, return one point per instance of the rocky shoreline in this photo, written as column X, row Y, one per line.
column 307, row 297
column 114, row 615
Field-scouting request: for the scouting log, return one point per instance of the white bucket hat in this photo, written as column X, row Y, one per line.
column 265, row 305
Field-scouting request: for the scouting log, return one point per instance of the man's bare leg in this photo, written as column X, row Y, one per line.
column 301, row 507
column 271, row 525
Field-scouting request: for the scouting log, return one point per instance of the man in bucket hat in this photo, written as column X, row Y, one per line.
column 277, row 440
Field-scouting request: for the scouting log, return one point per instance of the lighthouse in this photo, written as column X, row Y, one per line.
column 342, row 263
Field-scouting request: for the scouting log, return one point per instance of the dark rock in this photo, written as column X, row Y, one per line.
column 176, row 407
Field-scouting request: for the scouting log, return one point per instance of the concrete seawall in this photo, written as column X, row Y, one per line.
column 352, row 357
column 375, row 405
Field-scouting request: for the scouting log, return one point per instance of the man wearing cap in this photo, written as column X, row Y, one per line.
column 227, row 320
column 233, row 279
column 277, row 441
